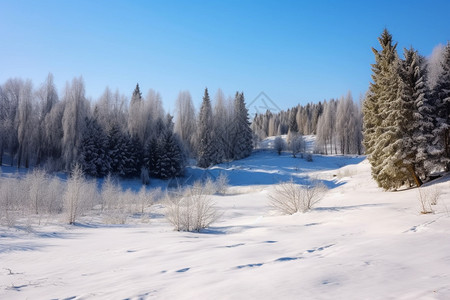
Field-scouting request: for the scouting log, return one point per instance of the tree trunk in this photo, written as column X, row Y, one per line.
column 414, row 175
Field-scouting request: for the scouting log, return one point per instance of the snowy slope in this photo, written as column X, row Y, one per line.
column 359, row 243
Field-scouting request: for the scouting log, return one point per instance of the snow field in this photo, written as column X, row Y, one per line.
column 358, row 243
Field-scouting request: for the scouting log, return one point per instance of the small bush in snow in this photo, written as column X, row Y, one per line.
column 79, row 195
column 290, row 198
column 427, row 197
column 222, row 183
column 209, row 186
column 309, row 157
column 279, row 144
column 296, row 143
column 191, row 209
column 114, row 202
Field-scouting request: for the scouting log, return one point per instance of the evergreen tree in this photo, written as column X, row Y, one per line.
column 293, row 120
column 136, row 156
column 441, row 98
column 119, row 152
column 417, row 132
column 171, row 161
column 93, row 158
column 206, row 147
column 242, row 133
column 383, row 117
column 150, row 157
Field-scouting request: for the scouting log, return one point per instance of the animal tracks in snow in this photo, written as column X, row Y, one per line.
column 304, row 255
column 420, row 227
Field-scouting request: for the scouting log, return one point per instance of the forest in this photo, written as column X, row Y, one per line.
column 116, row 136
column 401, row 124
column 407, row 115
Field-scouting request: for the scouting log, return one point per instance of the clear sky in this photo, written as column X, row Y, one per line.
column 294, row 51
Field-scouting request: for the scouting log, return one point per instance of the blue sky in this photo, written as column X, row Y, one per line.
column 294, row 51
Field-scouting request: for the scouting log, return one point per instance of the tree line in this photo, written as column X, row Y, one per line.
column 407, row 115
column 337, row 125
column 114, row 135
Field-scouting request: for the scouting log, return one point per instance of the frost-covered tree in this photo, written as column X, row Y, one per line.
column 74, row 200
column 48, row 98
column 296, row 143
column 135, row 115
column 326, row 128
column 76, row 110
column 205, row 144
column 93, row 157
column 279, row 144
column 171, row 158
column 3, row 132
column 185, row 122
column 384, row 118
column 26, row 124
column 221, row 127
column 53, row 132
column 9, row 107
column 241, row 131
column 441, row 98
column 416, row 132
column 434, row 65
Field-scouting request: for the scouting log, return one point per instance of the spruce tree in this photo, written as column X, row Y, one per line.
column 383, row 117
column 93, row 158
column 441, row 98
column 242, row 133
column 150, row 156
column 171, row 161
column 417, row 132
column 205, row 155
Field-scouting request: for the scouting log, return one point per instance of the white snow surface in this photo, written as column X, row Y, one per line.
column 358, row 243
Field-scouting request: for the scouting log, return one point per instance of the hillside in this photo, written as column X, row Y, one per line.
column 358, row 243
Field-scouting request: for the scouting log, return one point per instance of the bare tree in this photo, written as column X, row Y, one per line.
column 279, row 144
column 296, row 143
column 48, row 98
column 75, row 112
column 290, row 198
column 26, row 125
column 74, row 199
column 185, row 120
column 191, row 209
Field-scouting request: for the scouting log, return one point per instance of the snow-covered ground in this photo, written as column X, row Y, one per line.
column 358, row 243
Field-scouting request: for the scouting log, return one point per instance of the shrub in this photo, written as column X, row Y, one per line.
column 290, row 198
column 191, row 209
column 79, row 195
column 296, row 144
column 279, row 144
column 427, row 197
column 222, row 183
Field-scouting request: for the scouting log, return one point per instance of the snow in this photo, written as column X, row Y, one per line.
column 358, row 243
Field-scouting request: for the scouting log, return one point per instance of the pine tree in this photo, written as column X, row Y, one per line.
column 441, row 98
column 383, row 117
column 150, row 157
column 242, row 133
column 136, row 156
column 293, row 120
column 171, row 161
column 205, row 155
column 93, row 159
column 417, row 132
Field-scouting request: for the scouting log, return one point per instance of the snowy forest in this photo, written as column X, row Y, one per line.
column 337, row 125
column 404, row 118
column 407, row 115
column 109, row 136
